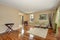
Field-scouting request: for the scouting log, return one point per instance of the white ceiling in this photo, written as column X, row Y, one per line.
column 29, row 6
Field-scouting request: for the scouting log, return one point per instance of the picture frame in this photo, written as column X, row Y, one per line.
column 43, row 17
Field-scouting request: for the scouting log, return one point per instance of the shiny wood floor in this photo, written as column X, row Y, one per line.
column 16, row 35
column 58, row 35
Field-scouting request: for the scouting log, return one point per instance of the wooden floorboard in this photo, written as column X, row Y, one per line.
column 16, row 35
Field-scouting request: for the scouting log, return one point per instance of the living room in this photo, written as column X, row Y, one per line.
column 31, row 23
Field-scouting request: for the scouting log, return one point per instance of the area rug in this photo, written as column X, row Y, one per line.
column 41, row 32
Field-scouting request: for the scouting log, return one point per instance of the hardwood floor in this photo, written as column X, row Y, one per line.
column 16, row 35
column 58, row 35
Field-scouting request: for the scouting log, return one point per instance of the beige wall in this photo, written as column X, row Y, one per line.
column 9, row 15
column 26, row 17
column 36, row 15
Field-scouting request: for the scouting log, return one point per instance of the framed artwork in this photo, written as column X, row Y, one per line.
column 43, row 17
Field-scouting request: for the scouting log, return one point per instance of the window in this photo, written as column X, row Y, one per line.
column 31, row 17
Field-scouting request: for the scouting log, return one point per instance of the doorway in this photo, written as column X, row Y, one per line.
column 22, row 19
